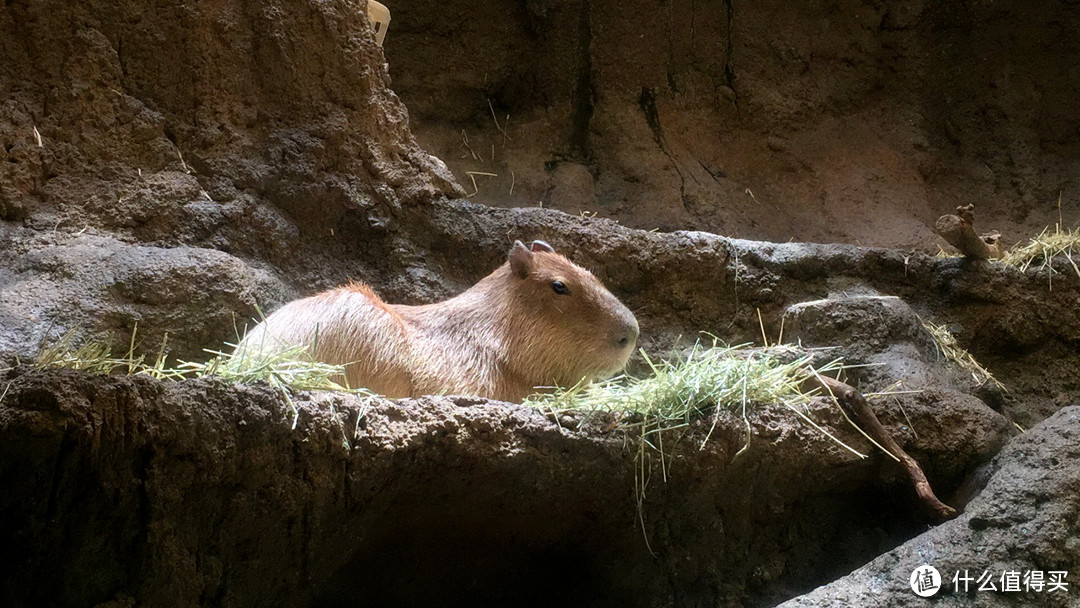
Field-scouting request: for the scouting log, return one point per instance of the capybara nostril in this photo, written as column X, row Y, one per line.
column 629, row 334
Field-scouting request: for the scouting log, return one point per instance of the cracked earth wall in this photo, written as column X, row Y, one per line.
column 855, row 122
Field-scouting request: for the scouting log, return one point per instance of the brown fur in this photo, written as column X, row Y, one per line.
column 509, row 333
column 366, row 290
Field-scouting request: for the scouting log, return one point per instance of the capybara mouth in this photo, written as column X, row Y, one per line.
column 619, row 364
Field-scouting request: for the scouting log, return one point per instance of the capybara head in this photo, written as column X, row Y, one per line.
column 568, row 325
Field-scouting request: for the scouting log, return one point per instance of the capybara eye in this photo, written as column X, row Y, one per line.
column 560, row 288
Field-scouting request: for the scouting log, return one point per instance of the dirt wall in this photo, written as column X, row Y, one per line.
column 854, row 122
column 113, row 109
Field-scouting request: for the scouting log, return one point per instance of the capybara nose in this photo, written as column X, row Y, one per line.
column 629, row 334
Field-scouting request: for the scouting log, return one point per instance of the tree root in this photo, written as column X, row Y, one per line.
column 859, row 410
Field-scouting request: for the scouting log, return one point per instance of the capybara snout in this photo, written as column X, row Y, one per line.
column 626, row 332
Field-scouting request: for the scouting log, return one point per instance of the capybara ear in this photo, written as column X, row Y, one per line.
column 542, row 246
column 520, row 260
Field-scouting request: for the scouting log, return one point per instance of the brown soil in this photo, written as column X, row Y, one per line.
column 826, row 122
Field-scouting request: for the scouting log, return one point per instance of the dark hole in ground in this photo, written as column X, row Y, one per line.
column 509, row 544
column 475, row 552
column 434, row 566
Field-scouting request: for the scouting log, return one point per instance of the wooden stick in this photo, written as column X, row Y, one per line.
column 857, row 407
column 959, row 231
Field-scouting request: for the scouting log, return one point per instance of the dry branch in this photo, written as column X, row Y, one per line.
column 959, row 231
column 857, row 408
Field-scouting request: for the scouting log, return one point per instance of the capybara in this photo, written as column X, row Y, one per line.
column 538, row 320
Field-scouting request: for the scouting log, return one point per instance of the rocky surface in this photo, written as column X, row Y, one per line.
column 1025, row 520
column 201, row 492
column 101, row 288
